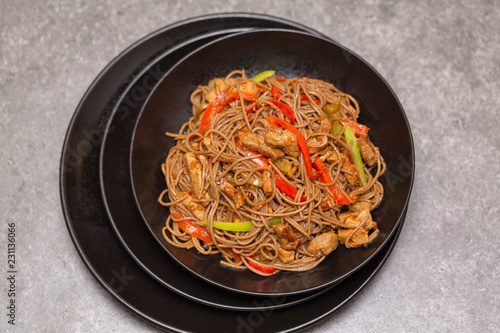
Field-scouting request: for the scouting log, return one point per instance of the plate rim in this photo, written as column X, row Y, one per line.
column 75, row 238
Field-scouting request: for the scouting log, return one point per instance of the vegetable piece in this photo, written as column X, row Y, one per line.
column 351, row 141
column 359, row 129
column 274, row 121
column 192, row 229
column 281, row 79
column 262, row 76
column 325, row 177
column 285, row 166
column 255, row 182
column 332, row 110
column 336, row 127
column 304, row 98
column 219, row 103
column 260, row 267
column 287, row 111
column 236, row 256
column 251, row 109
column 275, row 91
column 212, row 109
column 231, row 226
column 274, row 221
column 261, row 161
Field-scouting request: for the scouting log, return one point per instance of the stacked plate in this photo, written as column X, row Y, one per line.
column 106, row 218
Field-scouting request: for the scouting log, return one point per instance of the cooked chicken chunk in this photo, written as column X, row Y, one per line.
column 196, row 208
column 268, row 184
column 256, row 142
column 286, row 238
column 323, row 244
column 317, row 143
column 196, row 172
column 334, row 157
column 286, row 255
column 222, row 84
column 367, row 150
column 284, row 140
column 359, row 206
column 360, row 237
column 351, row 172
column 231, row 191
column 249, row 87
column 359, row 214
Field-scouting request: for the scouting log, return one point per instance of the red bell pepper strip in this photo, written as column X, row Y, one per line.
column 251, row 109
column 236, row 256
column 304, row 98
column 219, row 103
column 325, row 177
column 359, row 129
column 281, row 78
column 275, row 91
column 274, row 121
column 256, row 265
column 261, row 161
column 192, row 229
column 287, row 111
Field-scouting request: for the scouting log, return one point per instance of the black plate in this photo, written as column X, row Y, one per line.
column 291, row 54
column 101, row 250
column 120, row 206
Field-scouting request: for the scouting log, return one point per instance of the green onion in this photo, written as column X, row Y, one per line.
column 274, row 221
column 262, row 76
column 351, row 141
column 255, row 182
column 211, row 83
column 231, row 226
column 336, row 127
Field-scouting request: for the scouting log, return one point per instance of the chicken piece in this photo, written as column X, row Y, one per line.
column 354, row 219
column 352, row 172
column 256, row 142
column 284, row 140
column 286, row 256
column 325, row 126
column 221, row 84
column 317, row 143
column 231, row 191
column 196, row 173
column 334, row 157
column 323, row 244
column 367, row 150
column 196, row 208
column 286, row 238
column 268, row 184
column 360, row 237
column 359, row 206
column 249, row 87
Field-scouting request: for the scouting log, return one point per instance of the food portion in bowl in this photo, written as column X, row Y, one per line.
column 271, row 173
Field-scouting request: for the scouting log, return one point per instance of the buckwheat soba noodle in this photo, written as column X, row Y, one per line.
column 271, row 173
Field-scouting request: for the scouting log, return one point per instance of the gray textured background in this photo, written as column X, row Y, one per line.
column 441, row 59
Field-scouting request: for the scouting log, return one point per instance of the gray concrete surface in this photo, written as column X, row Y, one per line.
column 440, row 57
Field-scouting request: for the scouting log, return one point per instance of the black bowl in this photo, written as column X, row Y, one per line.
column 291, row 54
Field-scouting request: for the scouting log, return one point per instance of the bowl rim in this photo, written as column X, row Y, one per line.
column 324, row 38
